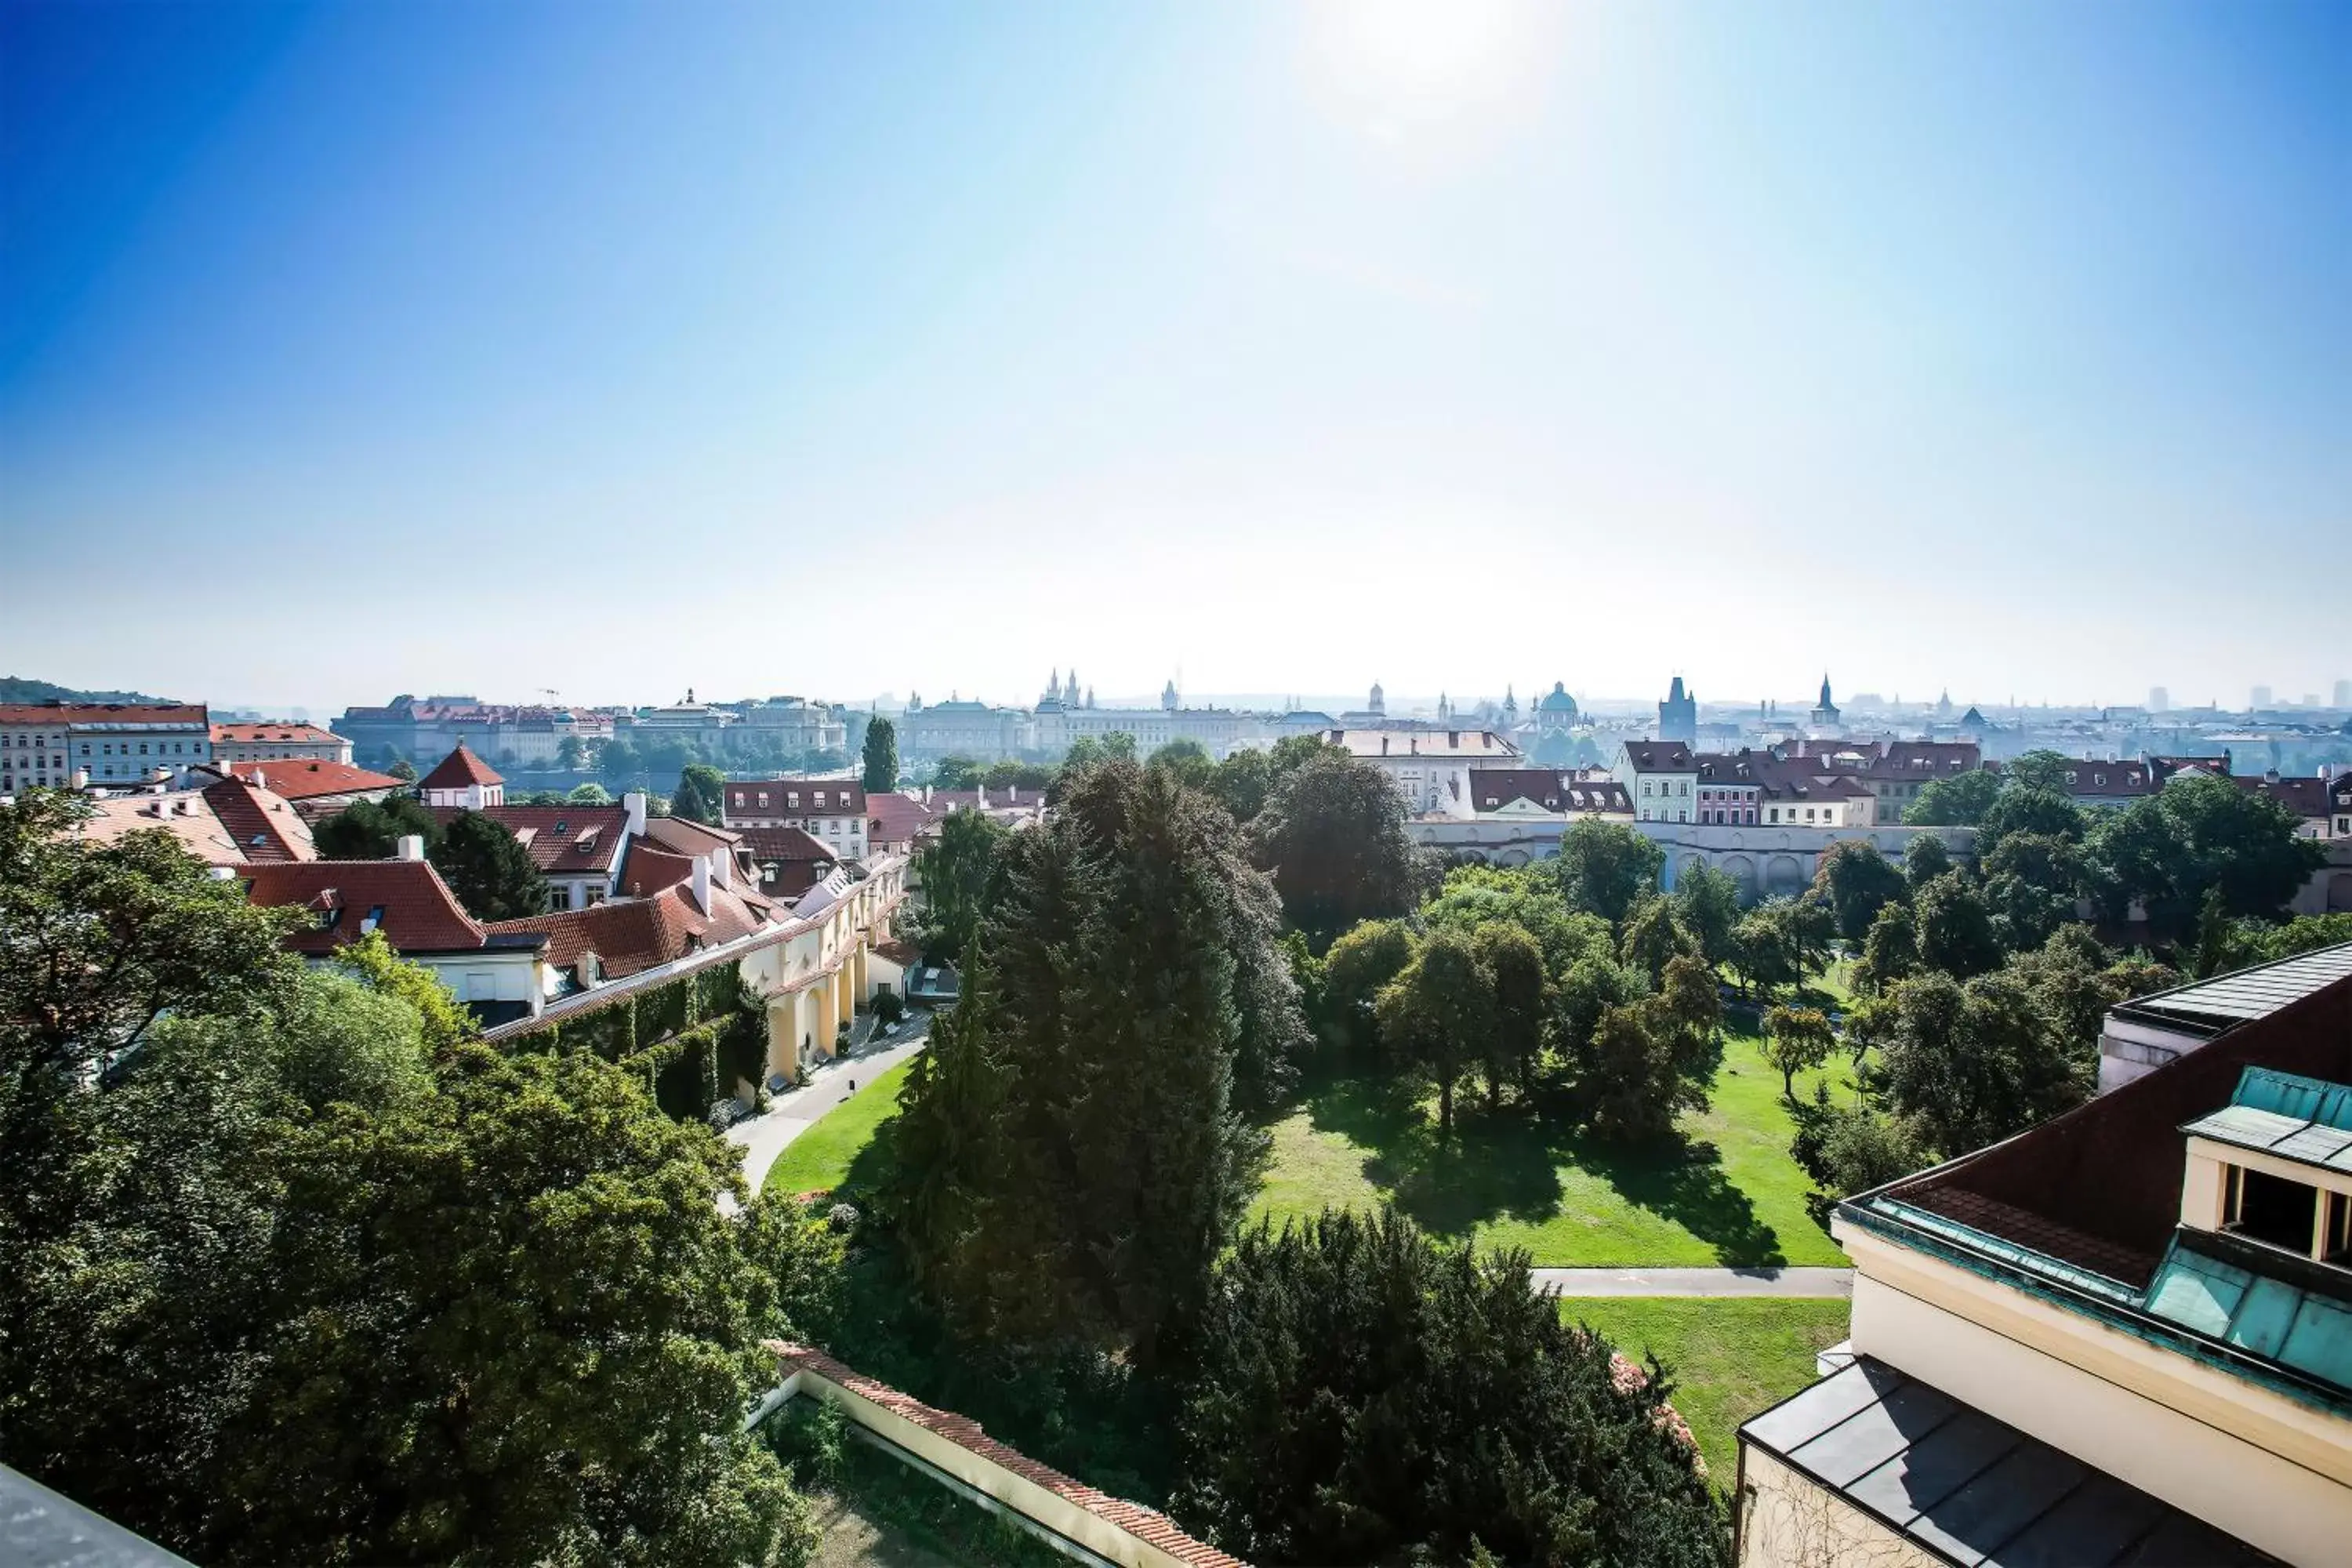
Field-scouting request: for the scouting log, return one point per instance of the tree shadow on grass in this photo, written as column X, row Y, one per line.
column 1509, row 1163
column 1682, row 1179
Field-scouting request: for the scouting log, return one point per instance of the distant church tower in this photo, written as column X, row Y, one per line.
column 1380, row 705
column 1826, row 712
column 1167, row 697
column 1678, row 715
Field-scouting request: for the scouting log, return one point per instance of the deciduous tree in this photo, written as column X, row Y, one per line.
column 701, row 794
column 1955, row 929
column 1797, row 1039
column 1605, row 867
column 1437, row 1016
column 372, row 830
column 1856, row 882
column 1333, row 836
column 1955, row 800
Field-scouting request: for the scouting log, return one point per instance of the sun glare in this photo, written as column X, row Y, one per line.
column 1397, row 66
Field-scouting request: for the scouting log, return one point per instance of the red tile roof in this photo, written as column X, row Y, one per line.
column 1132, row 1519
column 637, row 934
column 842, row 798
column 299, row 778
column 103, row 713
column 2303, row 797
column 683, row 836
column 420, row 914
column 259, row 821
column 571, row 840
column 896, row 818
column 650, row 869
column 240, row 733
column 458, row 769
column 786, row 844
column 1491, row 789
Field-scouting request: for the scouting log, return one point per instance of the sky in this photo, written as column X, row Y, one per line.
column 612, row 349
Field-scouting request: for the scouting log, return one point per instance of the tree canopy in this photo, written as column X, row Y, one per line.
column 1604, row 866
column 1071, row 1157
column 488, row 867
column 701, row 794
column 372, row 830
column 1367, row 1396
column 2168, row 849
column 879, row 758
column 300, row 1272
column 957, row 871
column 1332, row 833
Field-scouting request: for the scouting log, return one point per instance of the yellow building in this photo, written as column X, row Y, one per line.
column 2124, row 1336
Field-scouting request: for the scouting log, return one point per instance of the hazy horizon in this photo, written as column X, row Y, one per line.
column 357, row 349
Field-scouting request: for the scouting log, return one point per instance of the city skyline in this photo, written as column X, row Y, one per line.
column 2007, row 345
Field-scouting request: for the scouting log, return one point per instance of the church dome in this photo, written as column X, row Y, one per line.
column 1559, row 700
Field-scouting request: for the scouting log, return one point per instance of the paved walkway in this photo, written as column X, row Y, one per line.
column 794, row 1113
column 1816, row 1282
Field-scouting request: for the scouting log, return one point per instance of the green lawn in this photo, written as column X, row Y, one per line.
column 1728, row 1359
column 822, row 1156
column 1725, row 1193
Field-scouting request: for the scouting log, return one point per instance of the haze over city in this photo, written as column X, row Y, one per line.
column 620, row 348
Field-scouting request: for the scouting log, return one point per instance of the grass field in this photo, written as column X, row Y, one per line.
column 821, row 1157
column 1728, row 1359
column 1723, row 1193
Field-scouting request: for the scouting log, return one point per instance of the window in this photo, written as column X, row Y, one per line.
column 2264, row 1207
column 559, row 897
column 1645, row 787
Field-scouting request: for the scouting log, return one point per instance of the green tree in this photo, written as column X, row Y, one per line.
column 957, row 773
column 1706, row 905
column 622, row 765
column 1762, row 955
column 2046, row 812
column 1475, row 897
column 1365, row 1396
column 1591, row 987
column 1891, row 952
column 570, row 754
column 2041, row 769
column 1187, row 760
column 1955, row 800
column 1925, row 858
column 1652, row 938
column 2168, row 849
column 1797, row 1039
column 1856, row 882
column 957, row 871
column 879, row 756
column 1241, row 782
column 403, row 770
column 701, row 794
column 1367, row 958
column 1333, row 836
column 2032, row 881
column 1011, row 773
column 1437, row 1016
column 1604, row 866
column 486, row 866
column 372, row 830
column 1071, row 1158
column 1970, row 1063
column 1955, row 929
column 1513, row 964
column 591, row 793
column 1636, row 1085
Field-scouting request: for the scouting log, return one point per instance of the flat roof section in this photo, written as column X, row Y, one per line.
column 1966, row 1489
column 2208, row 1006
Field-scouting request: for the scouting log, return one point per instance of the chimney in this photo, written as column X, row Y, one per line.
column 81, row 778
column 722, row 866
column 259, row 780
column 703, row 883
column 634, row 803
column 983, row 792
column 221, row 873
column 411, row 847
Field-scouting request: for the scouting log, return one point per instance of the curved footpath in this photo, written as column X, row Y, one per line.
column 762, row 1138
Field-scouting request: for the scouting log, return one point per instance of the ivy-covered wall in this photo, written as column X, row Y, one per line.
column 692, row 1038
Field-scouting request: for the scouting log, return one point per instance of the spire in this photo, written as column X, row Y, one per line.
column 1825, row 689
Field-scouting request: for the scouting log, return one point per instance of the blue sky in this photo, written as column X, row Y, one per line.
column 615, row 348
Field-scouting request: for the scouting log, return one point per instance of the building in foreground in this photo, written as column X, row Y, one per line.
column 2124, row 1336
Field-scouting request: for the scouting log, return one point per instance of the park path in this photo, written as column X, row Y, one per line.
column 1813, row 1282
column 790, row 1114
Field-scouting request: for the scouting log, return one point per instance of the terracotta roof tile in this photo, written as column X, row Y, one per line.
column 634, row 934
column 229, row 822
column 650, row 869
column 1146, row 1524
column 458, row 769
column 299, row 778
column 241, row 733
column 407, row 900
column 786, row 844
column 570, row 839
column 796, row 797
column 893, row 818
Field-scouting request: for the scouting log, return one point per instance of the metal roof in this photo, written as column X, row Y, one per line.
column 42, row 1529
column 2256, row 993
column 1965, row 1488
column 2262, row 1311
column 2305, row 1120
